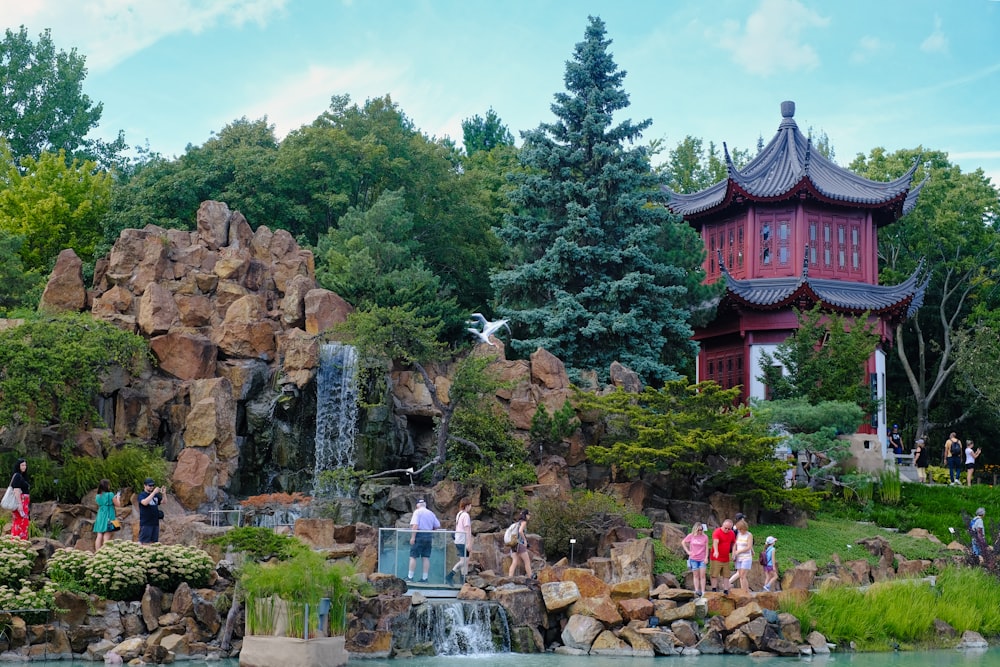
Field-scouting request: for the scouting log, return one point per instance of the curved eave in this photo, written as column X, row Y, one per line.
column 898, row 301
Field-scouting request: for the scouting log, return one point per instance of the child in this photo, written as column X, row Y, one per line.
column 771, row 564
column 695, row 545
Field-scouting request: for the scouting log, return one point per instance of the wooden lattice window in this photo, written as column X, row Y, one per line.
column 784, row 236
column 827, row 244
column 765, row 244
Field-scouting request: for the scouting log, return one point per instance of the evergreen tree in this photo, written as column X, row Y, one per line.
column 585, row 281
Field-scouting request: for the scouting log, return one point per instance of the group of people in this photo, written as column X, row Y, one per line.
column 107, row 503
column 422, row 524
column 731, row 543
column 956, row 456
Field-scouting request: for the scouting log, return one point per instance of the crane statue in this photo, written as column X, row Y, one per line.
column 488, row 328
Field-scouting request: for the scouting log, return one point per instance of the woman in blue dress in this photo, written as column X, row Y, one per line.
column 106, row 504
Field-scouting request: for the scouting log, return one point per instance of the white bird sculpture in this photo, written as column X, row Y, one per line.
column 488, row 328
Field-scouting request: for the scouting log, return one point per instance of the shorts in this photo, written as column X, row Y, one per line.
column 460, row 549
column 696, row 564
column 149, row 534
column 970, row 466
column 769, row 569
column 719, row 568
column 421, row 547
column 519, row 549
column 744, row 563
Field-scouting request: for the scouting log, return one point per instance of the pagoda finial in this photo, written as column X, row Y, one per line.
column 805, row 263
column 730, row 167
column 788, row 109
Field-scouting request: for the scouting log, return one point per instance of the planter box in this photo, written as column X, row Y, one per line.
column 259, row 651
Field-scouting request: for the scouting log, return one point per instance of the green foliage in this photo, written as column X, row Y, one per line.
column 120, row 570
column 584, row 280
column 485, row 134
column 549, row 430
column 30, row 596
column 890, row 488
column 382, row 334
column 485, row 453
column 51, row 368
column 53, row 203
column 123, row 467
column 638, row 520
column 16, row 560
column 586, row 516
column 953, row 231
column 697, row 437
column 259, row 544
column 823, row 360
column 68, row 566
column 42, row 104
column 299, row 581
column 372, row 259
column 812, row 428
column 901, row 613
column 19, row 288
column 935, row 508
column 665, row 561
column 691, row 167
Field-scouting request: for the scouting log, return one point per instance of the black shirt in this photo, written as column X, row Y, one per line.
column 19, row 481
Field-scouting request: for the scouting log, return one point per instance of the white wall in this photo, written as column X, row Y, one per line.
column 757, row 389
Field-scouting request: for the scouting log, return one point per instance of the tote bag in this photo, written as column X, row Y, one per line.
column 9, row 501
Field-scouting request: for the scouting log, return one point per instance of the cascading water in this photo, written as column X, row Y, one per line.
column 463, row 627
column 336, row 411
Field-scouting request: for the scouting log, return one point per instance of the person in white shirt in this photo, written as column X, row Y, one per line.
column 463, row 541
column 422, row 522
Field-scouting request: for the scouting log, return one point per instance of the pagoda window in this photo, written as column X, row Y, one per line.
column 827, row 244
column 731, row 247
column 841, row 246
column 813, row 239
column 739, row 246
column 713, row 254
column 855, row 247
column 765, row 244
column 784, row 234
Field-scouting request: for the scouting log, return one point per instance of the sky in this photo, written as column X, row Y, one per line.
column 873, row 73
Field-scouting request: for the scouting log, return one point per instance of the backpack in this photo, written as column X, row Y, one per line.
column 510, row 536
column 956, row 448
column 762, row 559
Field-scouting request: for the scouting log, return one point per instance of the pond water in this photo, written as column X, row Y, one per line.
column 971, row 658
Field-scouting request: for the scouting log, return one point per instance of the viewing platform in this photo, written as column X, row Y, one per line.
column 394, row 558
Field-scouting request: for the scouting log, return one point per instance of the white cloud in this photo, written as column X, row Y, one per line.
column 109, row 31
column 867, row 47
column 936, row 42
column 772, row 38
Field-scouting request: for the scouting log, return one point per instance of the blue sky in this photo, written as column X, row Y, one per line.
column 868, row 73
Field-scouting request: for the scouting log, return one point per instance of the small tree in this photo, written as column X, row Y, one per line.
column 695, row 436
column 823, row 360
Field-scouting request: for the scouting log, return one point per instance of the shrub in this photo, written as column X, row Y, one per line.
column 586, row 516
column 259, row 544
column 68, row 566
column 16, row 559
column 171, row 565
column 27, row 597
column 118, row 571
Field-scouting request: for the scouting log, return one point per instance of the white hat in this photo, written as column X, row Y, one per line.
column 770, row 539
column 421, row 502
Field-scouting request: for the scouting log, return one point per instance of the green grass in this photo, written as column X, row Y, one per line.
column 826, row 536
column 934, row 508
column 902, row 612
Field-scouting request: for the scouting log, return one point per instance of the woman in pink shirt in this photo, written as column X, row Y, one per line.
column 695, row 545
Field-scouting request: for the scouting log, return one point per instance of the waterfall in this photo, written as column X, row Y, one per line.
column 463, row 627
column 336, row 412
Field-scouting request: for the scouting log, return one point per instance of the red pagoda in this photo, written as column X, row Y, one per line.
column 790, row 230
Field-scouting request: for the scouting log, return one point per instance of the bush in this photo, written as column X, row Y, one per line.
column 16, row 559
column 585, row 517
column 28, row 597
column 171, row 565
column 259, row 544
column 68, row 566
column 117, row 571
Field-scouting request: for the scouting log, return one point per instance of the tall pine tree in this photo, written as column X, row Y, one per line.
column 588, row 281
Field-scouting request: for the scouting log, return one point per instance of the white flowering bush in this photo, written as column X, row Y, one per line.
column 117, row 571
column 25, row 597
column 68, row 566
column 169, row 566
column 16, row 559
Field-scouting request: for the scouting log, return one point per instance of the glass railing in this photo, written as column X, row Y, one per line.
column 394, row 555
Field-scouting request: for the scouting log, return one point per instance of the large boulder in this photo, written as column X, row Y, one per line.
column 581, row 631
column 65, row 290
column 184, row 354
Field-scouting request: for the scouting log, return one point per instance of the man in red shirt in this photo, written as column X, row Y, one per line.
column 723, row 539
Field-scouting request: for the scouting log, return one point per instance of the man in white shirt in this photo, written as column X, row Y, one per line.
column 422, row 522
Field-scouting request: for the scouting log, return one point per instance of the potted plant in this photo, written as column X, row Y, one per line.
column 296, row 611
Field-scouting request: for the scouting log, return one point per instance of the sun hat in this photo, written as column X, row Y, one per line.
column 770, row 539
column 981, row 511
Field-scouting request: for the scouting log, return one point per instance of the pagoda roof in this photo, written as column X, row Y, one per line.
column 787, row 167
column 903, row 300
